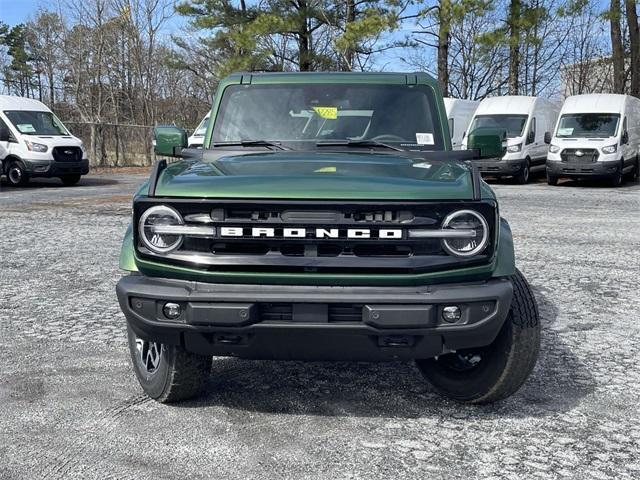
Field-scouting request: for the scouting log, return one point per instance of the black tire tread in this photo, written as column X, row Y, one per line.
column 525, row 345
column 188, row 373
column 517, row 347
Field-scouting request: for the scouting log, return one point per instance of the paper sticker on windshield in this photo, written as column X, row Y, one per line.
column 329, row 113
column 424, row 138
column 564, row 132
column 325, row 170
column 26, row 128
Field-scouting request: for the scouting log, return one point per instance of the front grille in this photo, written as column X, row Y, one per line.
column 579, row 155
column 67, row 154
column 386, row 249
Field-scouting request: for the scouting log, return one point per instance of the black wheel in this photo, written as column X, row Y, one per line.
column 636, row 170
column 492, row 373
column 523, row 177
column 17, row 176
column 618, row 178
column 69, row 180
column 167, row 373
column 551, row 180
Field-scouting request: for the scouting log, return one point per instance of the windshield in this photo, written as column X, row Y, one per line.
column 298, row 115
column 202, row 128
column 513, row 124
column 36, row 123
column 591, row 125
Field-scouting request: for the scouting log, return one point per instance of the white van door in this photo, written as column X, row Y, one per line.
column 533, row 143
column 5, row 134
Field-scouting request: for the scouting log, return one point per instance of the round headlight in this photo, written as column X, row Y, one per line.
column 466, row 246
column 150, row 229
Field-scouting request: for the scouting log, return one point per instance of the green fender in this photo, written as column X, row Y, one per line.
column 505, row 256
column 127, row 260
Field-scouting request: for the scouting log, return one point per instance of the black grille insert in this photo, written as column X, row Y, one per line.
column 579, row 155
column 67, row 154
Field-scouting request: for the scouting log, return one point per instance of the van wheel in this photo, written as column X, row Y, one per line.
column 17, row 175
column 488, row 374
column 167, row 373
column 523, row 177
column 618, row 178
column 70, row 180
column 636, row 170
column 552, row 180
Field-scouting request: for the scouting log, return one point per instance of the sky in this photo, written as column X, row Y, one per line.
column 17, row 11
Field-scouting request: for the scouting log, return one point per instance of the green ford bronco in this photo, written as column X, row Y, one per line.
column 326, row 218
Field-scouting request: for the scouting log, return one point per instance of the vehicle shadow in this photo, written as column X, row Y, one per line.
column 39, row 183
column 395, row 390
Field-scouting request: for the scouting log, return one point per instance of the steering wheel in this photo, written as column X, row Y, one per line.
column 386, row 137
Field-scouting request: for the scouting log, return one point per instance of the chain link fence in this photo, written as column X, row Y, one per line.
column 115, row 145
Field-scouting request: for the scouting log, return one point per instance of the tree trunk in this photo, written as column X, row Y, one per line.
column 634, row 44
column 616, row 47
column 513, row 21
column 304, row 39
column 444, row 36
column 349, row 54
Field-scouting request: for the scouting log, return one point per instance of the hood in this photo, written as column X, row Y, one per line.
column 316, row 175
column 55, row 140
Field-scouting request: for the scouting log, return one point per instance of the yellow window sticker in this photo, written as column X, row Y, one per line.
column 325, row 170
column 328, row 113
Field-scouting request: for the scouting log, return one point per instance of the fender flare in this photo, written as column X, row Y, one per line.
column 505, row 254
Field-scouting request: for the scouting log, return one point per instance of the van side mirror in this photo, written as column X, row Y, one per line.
column 5, row 134
column 169, row 140
column 547, row 137
column 489, row 142
column 625, row 137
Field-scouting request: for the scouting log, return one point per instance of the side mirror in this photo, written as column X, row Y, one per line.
column 169, row 140
column 5, row 134
column 625, row 138
column 547, row 137
column 490, row 142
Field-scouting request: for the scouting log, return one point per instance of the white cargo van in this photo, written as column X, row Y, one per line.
column 526, row 121
column 35, row 143
column 459, row 113
column 197, row 138
column 597, row 136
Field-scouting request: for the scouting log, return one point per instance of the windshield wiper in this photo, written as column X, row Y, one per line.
column 251, row 143
column 358, row 143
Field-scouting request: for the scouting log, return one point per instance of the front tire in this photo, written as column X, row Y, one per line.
column 488, row 374
column 551, row 180
column 618, row 178
column 167, row 373
column 523, row 177
column 17, row 176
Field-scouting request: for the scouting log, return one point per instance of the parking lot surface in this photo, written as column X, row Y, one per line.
column 71, row 407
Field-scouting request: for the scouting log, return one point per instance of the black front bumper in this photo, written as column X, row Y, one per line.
column 501, row 168
column 315, row 322
column 52, row 168
column 581, row 170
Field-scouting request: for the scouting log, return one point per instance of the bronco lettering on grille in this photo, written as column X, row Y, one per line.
column 257, row 232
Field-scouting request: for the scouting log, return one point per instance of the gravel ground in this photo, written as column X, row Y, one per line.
column 71, row 407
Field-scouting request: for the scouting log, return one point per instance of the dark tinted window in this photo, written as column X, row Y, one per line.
column 513, row 124
column 302, row 114
column 595, row 125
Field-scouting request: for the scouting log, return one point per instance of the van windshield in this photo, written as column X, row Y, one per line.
column 588, row 125
column 36, row 123
column 513, row 124
column 303, row 115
